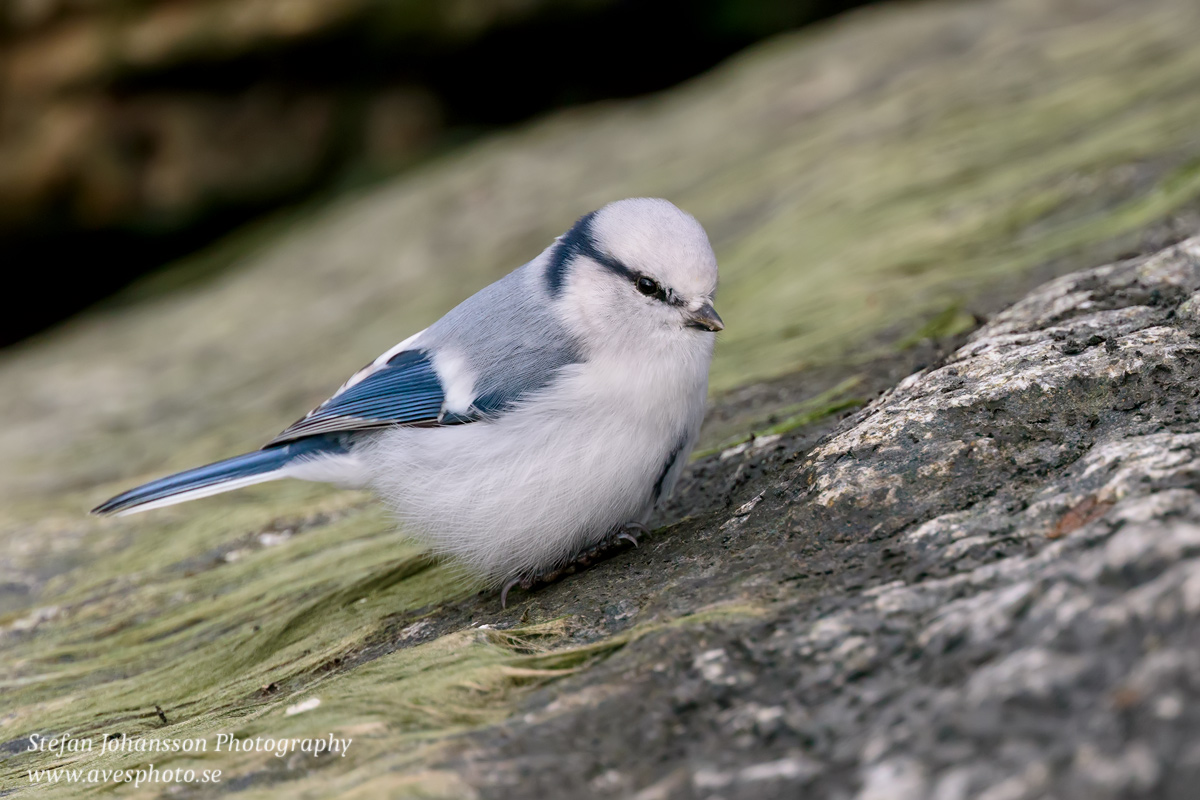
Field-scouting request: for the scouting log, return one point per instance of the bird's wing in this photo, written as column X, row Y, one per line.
column 404, row 389
column 492, row 352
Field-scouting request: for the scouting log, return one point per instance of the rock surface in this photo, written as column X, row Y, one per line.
column 965, row 588
column 987, row 584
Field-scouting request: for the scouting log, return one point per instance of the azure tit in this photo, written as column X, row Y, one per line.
column 539, row 421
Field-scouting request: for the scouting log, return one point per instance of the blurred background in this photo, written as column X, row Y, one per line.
column 136, row 132
column 256, row 197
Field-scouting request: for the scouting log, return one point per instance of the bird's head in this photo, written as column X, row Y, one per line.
column 637, row 268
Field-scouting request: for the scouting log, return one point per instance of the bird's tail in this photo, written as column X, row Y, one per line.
column 269, row 464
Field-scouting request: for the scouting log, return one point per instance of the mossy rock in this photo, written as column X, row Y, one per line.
column 868, row 184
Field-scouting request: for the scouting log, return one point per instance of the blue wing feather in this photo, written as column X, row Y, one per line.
column 512, row 355
column 406, row 391
column 237, row 468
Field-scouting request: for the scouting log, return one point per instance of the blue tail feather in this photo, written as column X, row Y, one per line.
column 238, row 468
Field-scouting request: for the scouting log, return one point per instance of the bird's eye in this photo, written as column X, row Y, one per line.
column 648, row 286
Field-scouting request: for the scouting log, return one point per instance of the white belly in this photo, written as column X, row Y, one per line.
column 530, row 490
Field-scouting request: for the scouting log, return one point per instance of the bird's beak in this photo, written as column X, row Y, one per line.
column 705, row 318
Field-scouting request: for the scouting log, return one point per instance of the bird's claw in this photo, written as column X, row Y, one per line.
column 628, row 532
column 524, row 583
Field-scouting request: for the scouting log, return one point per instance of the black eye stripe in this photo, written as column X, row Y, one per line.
column 579, row 242
column 647, row 285
column 652, row 289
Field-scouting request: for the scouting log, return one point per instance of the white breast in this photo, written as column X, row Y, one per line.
column 530, row 490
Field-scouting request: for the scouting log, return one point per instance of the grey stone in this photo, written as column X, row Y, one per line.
column 986, row 583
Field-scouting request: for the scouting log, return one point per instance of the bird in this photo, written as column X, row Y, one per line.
column 538, row 422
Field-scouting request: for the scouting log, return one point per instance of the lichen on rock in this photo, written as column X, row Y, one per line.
column 987, row 583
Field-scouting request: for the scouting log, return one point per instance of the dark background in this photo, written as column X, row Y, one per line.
column 133, row 133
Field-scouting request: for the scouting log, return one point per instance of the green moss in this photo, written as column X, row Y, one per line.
column 395, row 708
column 815, row 409
column 871, row 175
column 947, row 323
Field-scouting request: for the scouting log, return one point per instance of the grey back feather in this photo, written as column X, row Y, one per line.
column 505, row 340
column 508, row 337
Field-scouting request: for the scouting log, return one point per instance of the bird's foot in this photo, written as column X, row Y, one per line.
column 616, row 540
